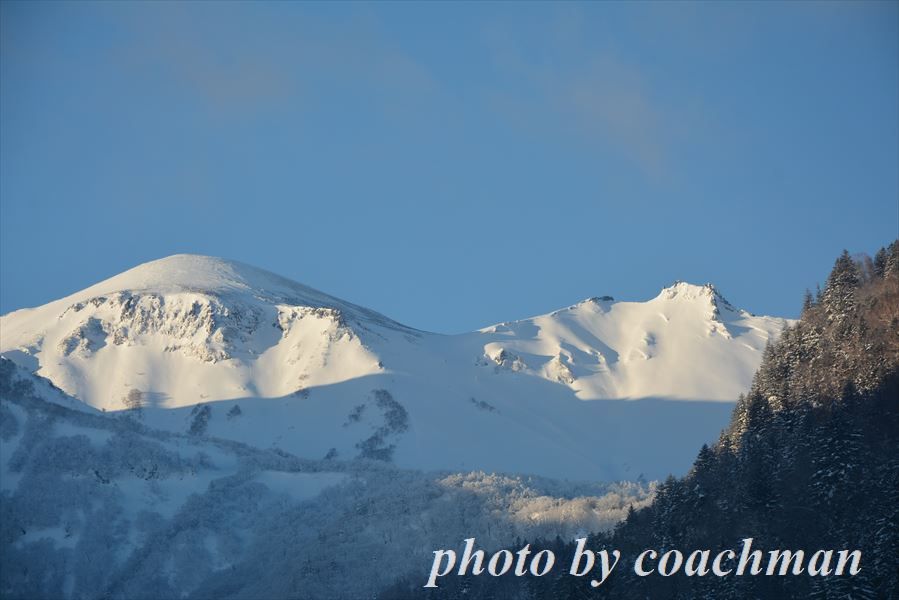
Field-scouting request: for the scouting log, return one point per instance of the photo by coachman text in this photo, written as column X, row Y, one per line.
column 665, row 563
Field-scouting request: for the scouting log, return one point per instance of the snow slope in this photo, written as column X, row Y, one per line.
column 599, row 390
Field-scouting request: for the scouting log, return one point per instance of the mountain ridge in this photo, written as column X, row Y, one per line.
column 200, row 273
column 188, row 330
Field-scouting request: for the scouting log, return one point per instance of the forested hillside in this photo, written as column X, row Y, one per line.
column 810, row 460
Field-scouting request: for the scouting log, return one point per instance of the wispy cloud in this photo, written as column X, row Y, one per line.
column 566, row 85
column 611, row 101
column 216, row 55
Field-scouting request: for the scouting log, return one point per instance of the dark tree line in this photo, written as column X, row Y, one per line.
column 809, row 461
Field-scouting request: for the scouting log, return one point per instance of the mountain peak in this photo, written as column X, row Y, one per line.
column 220, row 277
column 196, row 272
column 683, row 290
column 187, row 296
column 687, row 290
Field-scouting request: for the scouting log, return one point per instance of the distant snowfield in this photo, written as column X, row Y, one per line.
column 601, row 390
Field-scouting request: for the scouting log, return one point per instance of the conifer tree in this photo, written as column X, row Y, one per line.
column 839, row 293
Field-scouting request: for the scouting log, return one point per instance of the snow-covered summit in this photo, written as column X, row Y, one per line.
column 684, row 291
column 194, row 272
column 212, row 275
column 253, row 333
column 688, row 342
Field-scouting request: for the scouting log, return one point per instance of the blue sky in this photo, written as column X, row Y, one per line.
column 450, row 165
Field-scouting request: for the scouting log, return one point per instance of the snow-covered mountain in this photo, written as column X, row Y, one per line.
column 599, row 390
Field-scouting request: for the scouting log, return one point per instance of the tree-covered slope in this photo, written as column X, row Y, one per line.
column 811, row 457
